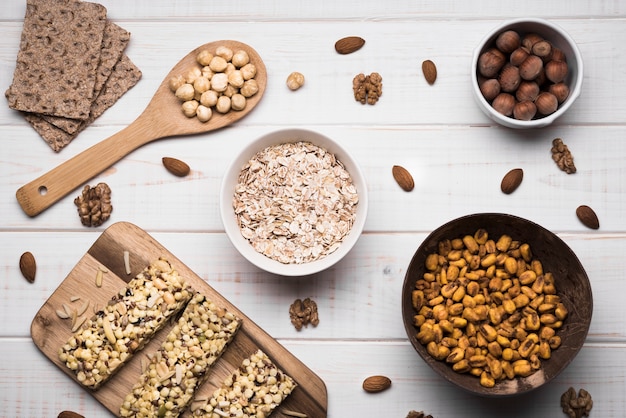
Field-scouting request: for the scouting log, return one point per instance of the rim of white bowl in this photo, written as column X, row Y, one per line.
column 575, row 86
column 228, row 218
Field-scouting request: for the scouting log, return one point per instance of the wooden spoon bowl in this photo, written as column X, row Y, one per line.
column 161, row 118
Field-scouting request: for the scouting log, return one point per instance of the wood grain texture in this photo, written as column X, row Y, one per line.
column 49, row 331
column 456, row 155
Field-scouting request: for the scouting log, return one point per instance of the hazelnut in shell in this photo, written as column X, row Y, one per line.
column 530, row 39
column 490, row 88
column 531, row 67
column 542, row 49
column 556, row 71
column 504, row 103
column 527, row 90
column 525, row 110
column 508, row 41
column 560, row 90
column 490, row 62
column 546, row 103
column 557, row 54
column 518, row 56
column 509, row 78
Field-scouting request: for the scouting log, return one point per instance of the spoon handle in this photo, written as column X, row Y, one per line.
column 44, row 191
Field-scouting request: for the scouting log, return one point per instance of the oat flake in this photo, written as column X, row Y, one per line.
column 295, row 202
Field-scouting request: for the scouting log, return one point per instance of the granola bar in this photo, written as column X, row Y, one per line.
column 109, row 339
column 254, row 390
column 182, row 362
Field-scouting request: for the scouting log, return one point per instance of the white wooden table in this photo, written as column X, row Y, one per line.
column 455, row 153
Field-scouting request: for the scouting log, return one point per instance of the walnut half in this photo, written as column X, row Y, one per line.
column 94, row 204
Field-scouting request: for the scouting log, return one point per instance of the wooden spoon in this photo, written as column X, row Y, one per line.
column 161, row 118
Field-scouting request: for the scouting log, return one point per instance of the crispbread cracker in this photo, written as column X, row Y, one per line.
column 55, row 73
column 124, row 76
column 114, row 43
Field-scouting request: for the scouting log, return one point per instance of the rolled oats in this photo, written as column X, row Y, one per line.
column 295, row 202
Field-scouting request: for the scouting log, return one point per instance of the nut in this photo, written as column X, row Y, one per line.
column 531, row 67
column 490, row 62
column 70, row 414
column 94, row 204
column 588, row 217
column 511, row 180
column 28, row 267
column 525, row 110
column 542, row 49
column 546, row 103
column 527, row 90
column 374, row 384
column 556, row 71
column 367, row 89
column 430, row 71
column 509, row 78
column 176, row 166
column 504, row 103
column 303, row 312
column 560, row 91
column 562, row 156
column 518, row 56
column 295, row 80
column 490, row 88
column 403, row 178
column 508, row 41
column 349, row 44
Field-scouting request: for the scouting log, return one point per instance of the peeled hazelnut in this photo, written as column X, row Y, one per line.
column 530, row 39
column 518, row 56
column 490, row 88
column 542, row 49
column 504, row 103
column 527, row 90
column 546, row 103
column 556, row 71
column 508, row 41
column 490, row 62
column 560, row 91
column 531, row 67
column 509, row 78
column 525, row 110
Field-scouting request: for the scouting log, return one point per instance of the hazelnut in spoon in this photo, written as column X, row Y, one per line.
column 161, row 118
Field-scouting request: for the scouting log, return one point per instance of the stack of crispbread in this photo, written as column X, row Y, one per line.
column 70, row 68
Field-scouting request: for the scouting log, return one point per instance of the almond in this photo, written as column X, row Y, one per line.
column 176, row 167
column 430, row 71
column 70, row 414
column 28, row 267
column 588, row 217
column 512, row 180
column 403, row 178
column 375, row 384
column 349, row 44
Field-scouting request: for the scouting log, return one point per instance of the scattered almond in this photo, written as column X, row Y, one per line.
column 588, row 217
column 430, row 71
column 70, row 414
column 375, row 384
column 176, row 167
column 349, row 44
column 512, row 180
column 28, row 267
column 403, row 178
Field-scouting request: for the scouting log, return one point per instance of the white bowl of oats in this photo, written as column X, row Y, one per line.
column 293, row 202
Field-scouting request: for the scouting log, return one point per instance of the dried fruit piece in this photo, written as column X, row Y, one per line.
column 176, row 166
column 430, row 71
column 403, row 178
column 511, row 180
column 374, row 384
column 349, row 44
column 28, row 266
column 588, row 217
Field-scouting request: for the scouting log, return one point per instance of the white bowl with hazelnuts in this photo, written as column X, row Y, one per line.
column 526, row 73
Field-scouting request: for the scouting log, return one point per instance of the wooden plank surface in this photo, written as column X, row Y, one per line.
column 456, row 155
column 49, row 332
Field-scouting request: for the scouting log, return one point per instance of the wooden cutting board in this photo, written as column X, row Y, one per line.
column 49, row 331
